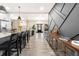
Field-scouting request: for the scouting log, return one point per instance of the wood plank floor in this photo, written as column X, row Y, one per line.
column 37, row 46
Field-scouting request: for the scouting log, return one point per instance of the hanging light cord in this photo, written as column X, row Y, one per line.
column 19, row 10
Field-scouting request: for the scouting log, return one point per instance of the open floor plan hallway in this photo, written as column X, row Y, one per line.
column 37, row 46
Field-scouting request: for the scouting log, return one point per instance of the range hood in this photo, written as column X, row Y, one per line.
column 3, row 9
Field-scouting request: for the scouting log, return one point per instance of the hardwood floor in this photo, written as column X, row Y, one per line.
column 37, row 46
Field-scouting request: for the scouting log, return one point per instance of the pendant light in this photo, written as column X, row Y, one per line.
column 19, row 18
column 19, row 21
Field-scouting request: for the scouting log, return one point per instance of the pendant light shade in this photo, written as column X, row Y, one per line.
column 19, row 18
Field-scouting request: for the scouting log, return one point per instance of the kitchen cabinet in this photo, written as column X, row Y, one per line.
column 5, row 26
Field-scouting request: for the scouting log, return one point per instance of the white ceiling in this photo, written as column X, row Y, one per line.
column 30, row 16
column 30, row 11
column 28, row 7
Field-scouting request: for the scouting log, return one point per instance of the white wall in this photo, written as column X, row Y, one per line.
column 32, row 18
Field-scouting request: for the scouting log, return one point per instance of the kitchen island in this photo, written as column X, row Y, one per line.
column 4, row 36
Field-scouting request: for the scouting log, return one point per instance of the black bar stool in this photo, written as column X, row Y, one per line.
column 24, row 39
column 3, row 48
column 28, row 36
column 20, row 41
column 13, row 44
column 9, row 45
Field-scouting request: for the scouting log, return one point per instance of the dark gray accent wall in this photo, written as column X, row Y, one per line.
column 58, row 20
column 49, row 20
column 71, row 26
column 59, row 6
column 67, row 7
column 52, row 25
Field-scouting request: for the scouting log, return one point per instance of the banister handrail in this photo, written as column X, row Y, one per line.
column 74, row 36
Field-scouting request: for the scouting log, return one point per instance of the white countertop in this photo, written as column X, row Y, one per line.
column 4, row 34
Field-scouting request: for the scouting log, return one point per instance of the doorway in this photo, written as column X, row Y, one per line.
column 39, row 28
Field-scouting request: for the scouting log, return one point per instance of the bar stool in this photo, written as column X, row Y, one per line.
column 24, row 39
column 13, row 45
column 9, row 45
column 3, row 48
column 28, row 36
column 20, row 41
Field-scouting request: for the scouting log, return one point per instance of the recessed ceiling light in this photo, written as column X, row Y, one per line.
column 7, row 8
column 40, row 18
column 41, row 8
column 12, row 16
